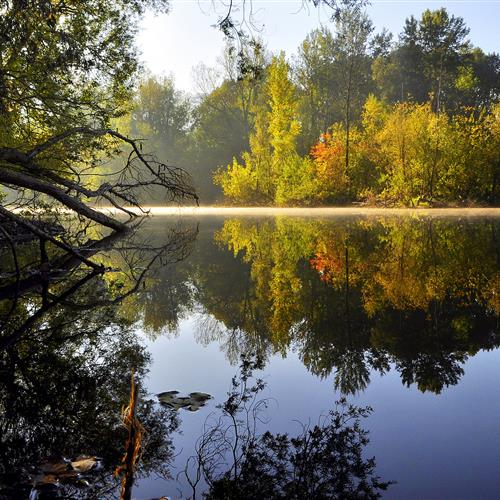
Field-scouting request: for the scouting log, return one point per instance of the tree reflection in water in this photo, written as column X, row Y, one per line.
column 65, row 361
column 324, row 461
column 350, row 296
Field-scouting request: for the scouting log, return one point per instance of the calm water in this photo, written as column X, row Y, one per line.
column 401, row 314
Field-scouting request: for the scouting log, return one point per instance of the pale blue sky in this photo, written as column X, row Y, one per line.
column 176, row 42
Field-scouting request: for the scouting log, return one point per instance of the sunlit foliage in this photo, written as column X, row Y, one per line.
column 272, row 171
column 359, row 118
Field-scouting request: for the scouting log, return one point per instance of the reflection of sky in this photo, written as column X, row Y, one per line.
column 436, row 447
column 176, row 42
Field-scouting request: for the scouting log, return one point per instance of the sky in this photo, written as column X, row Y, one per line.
column 174, row 43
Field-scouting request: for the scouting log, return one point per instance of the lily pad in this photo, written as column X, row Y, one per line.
column 193, row 402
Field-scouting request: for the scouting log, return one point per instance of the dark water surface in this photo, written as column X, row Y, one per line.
column 398, row 313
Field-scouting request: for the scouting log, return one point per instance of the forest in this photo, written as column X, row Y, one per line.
column 114, row 325
column 353, row 116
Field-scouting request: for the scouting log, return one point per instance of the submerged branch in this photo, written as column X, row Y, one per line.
column 133, row 444
column 44, row 235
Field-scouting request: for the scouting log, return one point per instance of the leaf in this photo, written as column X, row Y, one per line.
column 193, row 402
column 85, row 464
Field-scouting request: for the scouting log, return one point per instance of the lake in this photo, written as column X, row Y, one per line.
column 398, row 312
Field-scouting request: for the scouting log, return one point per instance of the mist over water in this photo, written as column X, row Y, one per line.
column 315, row 212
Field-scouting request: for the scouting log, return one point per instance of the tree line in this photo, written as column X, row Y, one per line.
column 353, row 116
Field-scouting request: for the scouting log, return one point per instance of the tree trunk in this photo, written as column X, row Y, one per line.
column 348, row 117
column 347, row 129
column 20, row 179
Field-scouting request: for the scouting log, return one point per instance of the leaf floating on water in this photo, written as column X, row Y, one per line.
column 193, row 402
column 84, row 464
column 51, row 475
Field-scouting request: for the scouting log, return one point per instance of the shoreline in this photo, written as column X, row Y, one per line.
column 314, row 212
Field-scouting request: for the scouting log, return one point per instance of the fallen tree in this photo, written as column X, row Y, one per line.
column 67, row 71
column 20, row 170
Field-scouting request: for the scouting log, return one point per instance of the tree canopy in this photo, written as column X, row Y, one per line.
column 354, row 116
column 67, row 70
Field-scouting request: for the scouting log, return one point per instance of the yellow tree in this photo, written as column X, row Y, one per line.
column 414, row 140
column 293, row 174
column 272, row 171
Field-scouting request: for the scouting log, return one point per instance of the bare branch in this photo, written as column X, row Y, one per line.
column 141, row 171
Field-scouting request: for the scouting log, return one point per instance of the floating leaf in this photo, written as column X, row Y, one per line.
column 84, row 464
column 193, row 402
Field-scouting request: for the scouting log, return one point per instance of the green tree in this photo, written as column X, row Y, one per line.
column 442, row 39
column 225, row 117
column 272, row 170
column 292, row 173
column 66, row 71
column 318, row 86
column 433, row 60
column 398, row 73
column 162, row 114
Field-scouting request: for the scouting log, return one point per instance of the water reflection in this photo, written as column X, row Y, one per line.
column 351, row 296
column 236, row 460
column 66, row 355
